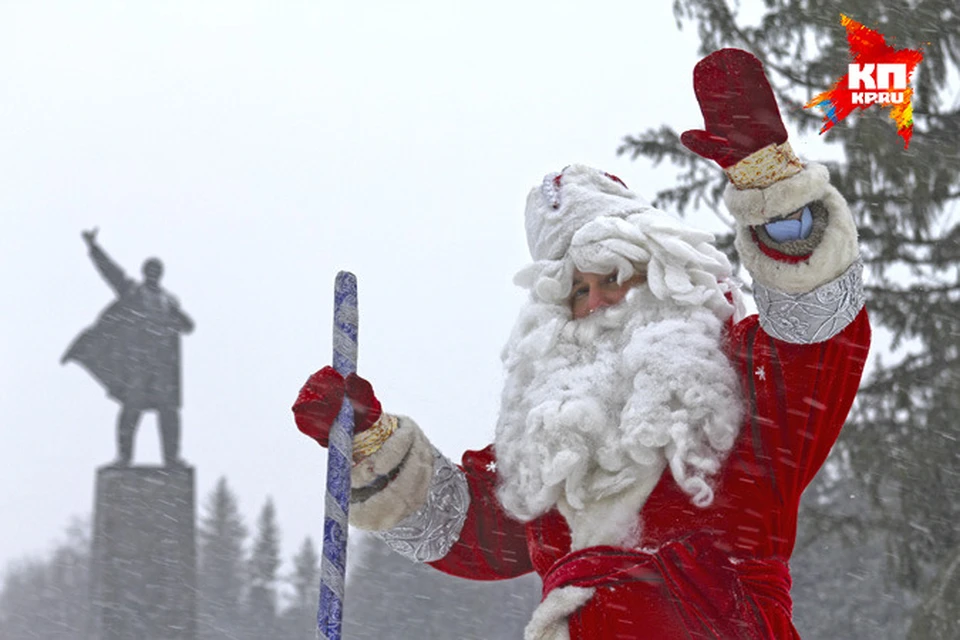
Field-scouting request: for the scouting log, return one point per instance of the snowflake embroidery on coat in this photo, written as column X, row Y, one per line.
column 760, row 373
column 492, row 466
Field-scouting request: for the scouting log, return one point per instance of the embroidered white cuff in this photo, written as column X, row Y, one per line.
column 429, row 533
column 815, row 316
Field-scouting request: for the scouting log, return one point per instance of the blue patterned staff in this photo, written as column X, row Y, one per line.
column 334, row 561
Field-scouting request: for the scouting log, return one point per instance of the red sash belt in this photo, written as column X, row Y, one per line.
column 712, row 592
column 768, row 578
column 600, row 567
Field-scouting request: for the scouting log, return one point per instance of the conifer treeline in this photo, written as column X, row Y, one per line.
column 243, row 594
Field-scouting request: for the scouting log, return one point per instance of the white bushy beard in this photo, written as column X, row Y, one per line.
column 593, row 411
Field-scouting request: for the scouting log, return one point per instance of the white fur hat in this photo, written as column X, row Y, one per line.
column 568, row 200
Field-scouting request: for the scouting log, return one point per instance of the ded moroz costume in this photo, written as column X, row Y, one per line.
column 649, row 458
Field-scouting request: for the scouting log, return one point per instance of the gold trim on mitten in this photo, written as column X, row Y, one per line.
column 370, row 441
column 762, row 168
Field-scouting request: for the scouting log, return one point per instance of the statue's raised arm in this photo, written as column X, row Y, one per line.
column 109, row 269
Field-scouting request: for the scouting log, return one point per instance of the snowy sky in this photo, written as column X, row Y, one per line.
column 257, row 149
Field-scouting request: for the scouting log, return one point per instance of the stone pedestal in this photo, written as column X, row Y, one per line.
column 143, row 566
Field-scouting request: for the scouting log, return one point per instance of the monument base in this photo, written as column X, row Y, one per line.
column 143, row 569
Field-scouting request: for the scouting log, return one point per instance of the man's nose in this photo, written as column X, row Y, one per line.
column 597, row 300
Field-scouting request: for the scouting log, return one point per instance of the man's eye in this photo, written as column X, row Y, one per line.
column 579, row 293
column 611, row 279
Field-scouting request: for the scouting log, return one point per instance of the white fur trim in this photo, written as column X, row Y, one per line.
column 404, row 494
column 583, row 195
column 758, row 206
column 836, row 252
column 549, row 620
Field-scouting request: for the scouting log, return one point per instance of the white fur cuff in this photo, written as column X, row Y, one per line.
column 404, row 468
column 549, row 621
column 758, row 206
column 836, row 252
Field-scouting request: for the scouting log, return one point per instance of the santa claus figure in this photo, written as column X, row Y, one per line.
column 652, row 444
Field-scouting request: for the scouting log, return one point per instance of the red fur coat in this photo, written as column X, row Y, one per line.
column 718, row 572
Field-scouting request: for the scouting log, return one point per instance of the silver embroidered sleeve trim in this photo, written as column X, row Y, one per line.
column 816, row 316
column 430, row 532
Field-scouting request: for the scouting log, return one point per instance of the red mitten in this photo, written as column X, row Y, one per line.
column 366, row 407
column 319, row 403
column 740, row 112
column 320, row 400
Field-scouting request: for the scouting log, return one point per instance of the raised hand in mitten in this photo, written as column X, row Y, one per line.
column 794, row 231
column 740, row 113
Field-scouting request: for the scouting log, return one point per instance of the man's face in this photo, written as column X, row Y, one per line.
column 592, row 291
column 152, row 273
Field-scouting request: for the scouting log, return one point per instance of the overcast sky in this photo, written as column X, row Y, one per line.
column 257, row 149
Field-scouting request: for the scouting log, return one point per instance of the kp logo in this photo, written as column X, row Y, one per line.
column 870, row 76
column 880, row 76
